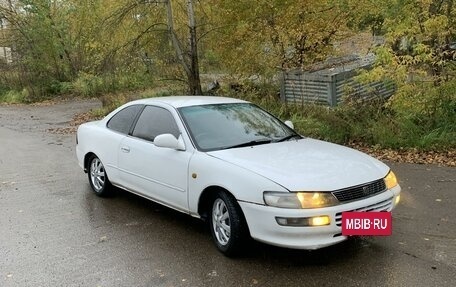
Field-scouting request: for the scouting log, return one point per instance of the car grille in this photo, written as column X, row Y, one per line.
column 360, row 191
column 385, row 205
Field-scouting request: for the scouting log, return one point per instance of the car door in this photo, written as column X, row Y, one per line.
column 109, row 140
column 155, row 172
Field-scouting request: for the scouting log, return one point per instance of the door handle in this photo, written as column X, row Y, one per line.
column 125, row 149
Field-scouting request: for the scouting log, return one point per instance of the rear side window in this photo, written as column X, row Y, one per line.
column 123, row 120
column 155, row 121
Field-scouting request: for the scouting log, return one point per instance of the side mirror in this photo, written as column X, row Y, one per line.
column 169, row 141
column 290, row 124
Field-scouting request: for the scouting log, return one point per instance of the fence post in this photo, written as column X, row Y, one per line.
column 332, row 95
column 282, row 87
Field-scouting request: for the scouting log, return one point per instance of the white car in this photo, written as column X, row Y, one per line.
column 235, row 165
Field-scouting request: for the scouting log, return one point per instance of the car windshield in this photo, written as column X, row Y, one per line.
column 223, row 126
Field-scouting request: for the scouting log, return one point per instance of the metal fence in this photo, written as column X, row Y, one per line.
column 330, row 81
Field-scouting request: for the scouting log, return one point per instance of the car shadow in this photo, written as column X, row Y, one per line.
column 123, row 208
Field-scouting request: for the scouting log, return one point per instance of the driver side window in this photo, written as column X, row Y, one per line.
column 155, row 121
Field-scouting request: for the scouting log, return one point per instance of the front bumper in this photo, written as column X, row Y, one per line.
column 263, row 226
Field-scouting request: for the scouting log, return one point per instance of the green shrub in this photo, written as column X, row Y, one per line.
column 419, row 116
column 14, row 97
column 88, row 85
column 60, row 88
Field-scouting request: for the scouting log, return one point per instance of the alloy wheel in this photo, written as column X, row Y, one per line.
column 221, row 222
column 97, row 174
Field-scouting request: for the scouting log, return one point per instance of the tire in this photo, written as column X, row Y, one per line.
column 98, row 178
column 228, row 227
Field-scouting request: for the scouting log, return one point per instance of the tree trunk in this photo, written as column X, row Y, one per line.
column 188, row 61
column 194, row 77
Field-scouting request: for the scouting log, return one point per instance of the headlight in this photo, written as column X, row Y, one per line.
column 299, row 199
column 390, row 180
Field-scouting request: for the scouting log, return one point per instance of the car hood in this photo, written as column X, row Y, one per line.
column 306, row 164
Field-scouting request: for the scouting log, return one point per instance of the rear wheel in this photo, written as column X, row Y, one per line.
column 98, row 178
column 227, row 224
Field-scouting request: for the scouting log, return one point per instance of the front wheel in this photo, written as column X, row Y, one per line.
column 227, row 224
column 98, row 178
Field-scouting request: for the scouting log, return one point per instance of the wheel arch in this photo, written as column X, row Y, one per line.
column 86, row 160
column 207, row 197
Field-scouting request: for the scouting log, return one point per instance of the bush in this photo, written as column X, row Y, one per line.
column 420, row 117
column 88, row 85
column 60, row 88
column 14, row 97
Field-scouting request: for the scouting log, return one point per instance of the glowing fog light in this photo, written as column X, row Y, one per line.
column 397, row 199
column 320, row 221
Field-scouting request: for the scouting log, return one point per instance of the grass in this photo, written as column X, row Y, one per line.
column 13, row 96
column 113, row 100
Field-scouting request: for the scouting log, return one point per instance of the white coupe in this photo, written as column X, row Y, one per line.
column 235, row 165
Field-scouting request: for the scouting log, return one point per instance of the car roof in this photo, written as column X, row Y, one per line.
column 186, row 101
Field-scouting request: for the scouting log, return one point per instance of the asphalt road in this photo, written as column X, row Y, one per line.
column 55, row 232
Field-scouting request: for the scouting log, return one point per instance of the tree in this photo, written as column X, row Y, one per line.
column 155, row 18
column 189, row 61
column 260, row 37
column 419, row 36
column 42, row 47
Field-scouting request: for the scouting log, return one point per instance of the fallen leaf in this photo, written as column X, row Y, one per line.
column 443, row 158
column 213, row 273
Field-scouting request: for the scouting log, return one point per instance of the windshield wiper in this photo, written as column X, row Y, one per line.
column 250, row 143
column 288, row 137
